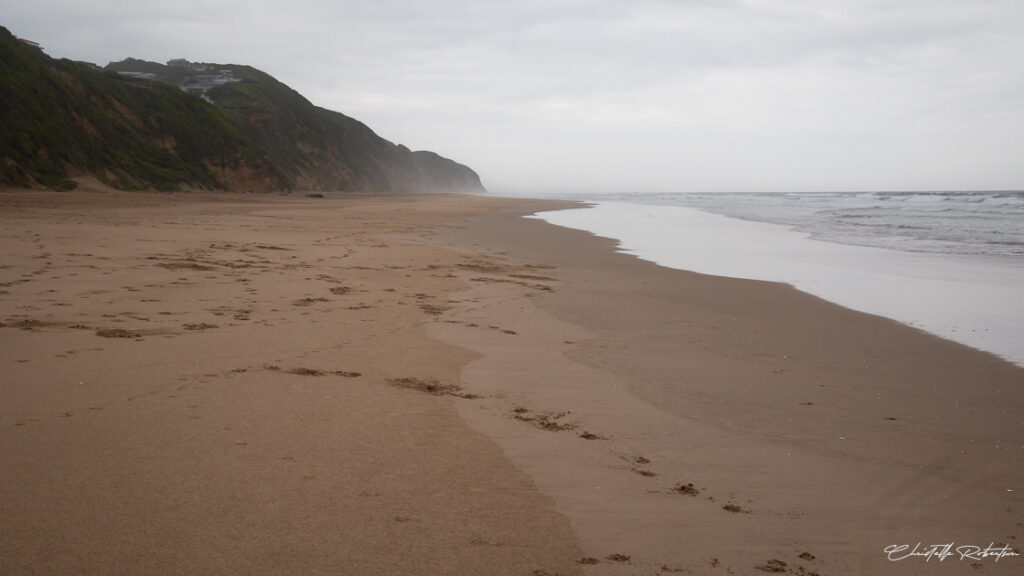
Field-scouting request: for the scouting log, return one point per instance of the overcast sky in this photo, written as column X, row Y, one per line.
column 639, row 95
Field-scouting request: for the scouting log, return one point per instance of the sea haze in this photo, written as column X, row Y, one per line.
column 948, row 263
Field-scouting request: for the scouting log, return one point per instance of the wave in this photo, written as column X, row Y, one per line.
column 864, row 267
column 957, row 222
column 943, row 222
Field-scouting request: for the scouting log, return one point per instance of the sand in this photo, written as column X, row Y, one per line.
column 232, row 384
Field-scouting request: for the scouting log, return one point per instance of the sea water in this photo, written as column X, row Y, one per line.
column 950, row 263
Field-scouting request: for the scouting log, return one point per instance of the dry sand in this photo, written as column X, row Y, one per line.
column 229, row 385
column 434, row 385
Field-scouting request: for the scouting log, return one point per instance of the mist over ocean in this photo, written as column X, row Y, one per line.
column 950, row 263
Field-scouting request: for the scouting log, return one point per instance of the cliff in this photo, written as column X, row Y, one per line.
column 133, row 125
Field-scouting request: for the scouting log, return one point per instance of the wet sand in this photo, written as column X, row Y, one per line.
column 705, row 425
column 435, row 385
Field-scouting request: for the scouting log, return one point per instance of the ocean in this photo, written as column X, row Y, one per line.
column 949, row 263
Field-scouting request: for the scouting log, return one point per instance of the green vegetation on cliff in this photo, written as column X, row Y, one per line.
column 61, row 119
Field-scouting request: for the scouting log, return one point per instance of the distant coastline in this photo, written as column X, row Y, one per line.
column 138, row 125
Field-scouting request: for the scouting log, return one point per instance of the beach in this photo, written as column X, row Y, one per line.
column 434, row 384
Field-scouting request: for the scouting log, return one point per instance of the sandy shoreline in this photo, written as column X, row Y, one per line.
column 836, row 433
column 574, row 390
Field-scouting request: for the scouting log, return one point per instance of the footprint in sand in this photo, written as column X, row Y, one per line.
column 199, row 327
